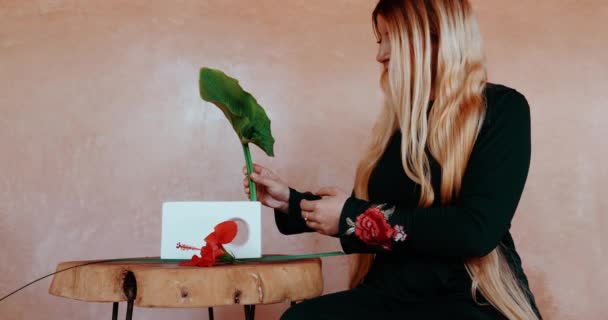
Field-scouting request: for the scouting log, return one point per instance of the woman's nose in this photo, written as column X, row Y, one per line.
column 380, row 57
column 383, row 54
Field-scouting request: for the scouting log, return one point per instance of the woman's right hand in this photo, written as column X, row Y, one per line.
column 271, row 190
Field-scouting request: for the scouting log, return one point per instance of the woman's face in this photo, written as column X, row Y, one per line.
column 384, row 50
column 384, row 46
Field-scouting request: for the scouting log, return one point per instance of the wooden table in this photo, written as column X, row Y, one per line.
column 167, row 285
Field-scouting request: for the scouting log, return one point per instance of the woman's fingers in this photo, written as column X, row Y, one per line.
column 305, row 215
column 258, row 179
column 309, row 216
column 256, row 168
column 308, row 205
column 313, row 225
column 327, row 191
column 259, row 169
column 263, row 171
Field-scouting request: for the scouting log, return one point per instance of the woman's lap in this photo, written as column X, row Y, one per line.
column 363, row 304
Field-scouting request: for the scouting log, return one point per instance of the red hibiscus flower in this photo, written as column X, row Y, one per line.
column 373, row 229
column 213, row 250
column 210, row 253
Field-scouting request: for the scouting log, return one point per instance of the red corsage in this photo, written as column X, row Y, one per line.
column 213, row 250
column 372, row 227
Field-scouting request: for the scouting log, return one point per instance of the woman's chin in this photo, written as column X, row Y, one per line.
column 384, row 80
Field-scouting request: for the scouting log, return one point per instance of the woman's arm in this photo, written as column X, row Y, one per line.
column 491, row 189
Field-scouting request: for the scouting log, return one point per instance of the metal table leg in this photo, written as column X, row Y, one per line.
column 115, row 311
column 129, row 310
column 130, row 290
column 249, row 312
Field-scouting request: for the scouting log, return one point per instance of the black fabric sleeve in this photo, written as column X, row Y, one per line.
column 491, row 189
column 292, row 221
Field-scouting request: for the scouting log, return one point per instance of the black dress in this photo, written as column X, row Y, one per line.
column 419, row 272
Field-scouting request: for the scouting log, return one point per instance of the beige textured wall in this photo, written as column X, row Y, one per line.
column 100, row 122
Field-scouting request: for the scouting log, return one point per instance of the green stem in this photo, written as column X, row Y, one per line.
column 252, row 193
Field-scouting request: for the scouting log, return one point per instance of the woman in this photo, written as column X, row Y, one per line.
column 435, row 192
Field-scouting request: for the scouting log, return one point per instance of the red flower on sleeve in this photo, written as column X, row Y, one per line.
column 372, row 227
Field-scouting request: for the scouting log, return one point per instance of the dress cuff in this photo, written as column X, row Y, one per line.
column 292, row 221
column 351, row 209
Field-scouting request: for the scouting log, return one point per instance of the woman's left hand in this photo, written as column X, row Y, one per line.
column 324, row 215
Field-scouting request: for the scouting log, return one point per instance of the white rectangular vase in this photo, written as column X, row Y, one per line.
column 190, row 222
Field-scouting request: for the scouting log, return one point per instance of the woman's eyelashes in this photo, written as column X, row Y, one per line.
column 380, row 39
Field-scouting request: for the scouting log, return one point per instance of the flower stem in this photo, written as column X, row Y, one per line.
column 252, row 193
column 227, row 256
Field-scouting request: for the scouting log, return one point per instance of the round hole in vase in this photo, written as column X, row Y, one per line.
column 242, row 234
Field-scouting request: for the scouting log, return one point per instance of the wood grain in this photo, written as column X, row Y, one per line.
column 169, row 285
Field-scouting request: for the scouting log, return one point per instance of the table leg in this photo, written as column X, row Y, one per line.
column 210, row 313
column 250, row 312
column 130, row 290
column 129, row 309
column 115, row 311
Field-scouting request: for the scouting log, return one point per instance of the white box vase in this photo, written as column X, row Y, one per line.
column 190, row 222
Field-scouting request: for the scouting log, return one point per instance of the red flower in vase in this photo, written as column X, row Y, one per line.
column 210, row 253
column 213, row 250
column 223, row 233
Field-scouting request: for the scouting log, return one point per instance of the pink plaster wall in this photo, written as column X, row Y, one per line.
column 100, row 122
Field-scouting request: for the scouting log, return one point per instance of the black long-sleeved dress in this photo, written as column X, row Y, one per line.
column 419, row 271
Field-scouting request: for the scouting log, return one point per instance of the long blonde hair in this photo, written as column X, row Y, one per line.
column 450, row 129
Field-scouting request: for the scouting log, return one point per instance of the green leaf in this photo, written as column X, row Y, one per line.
column 389, row 212
column 350, row 222
column 247, row 117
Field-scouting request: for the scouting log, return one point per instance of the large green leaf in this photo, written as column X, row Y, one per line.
column 247, row 117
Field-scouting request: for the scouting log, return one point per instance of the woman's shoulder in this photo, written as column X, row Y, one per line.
column 505, row 104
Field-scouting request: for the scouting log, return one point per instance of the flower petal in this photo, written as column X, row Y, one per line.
column 194, row 261
column 211, row 238
column 225, row 232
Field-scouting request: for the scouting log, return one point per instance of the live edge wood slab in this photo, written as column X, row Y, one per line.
column 168, row 285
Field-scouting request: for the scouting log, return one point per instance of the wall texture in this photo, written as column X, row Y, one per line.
column 100, row 122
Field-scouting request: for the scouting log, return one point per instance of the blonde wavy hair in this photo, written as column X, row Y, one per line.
column 449, row 131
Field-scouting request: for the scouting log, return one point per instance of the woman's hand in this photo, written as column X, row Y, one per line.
column 324, row 215
column 271, row 190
